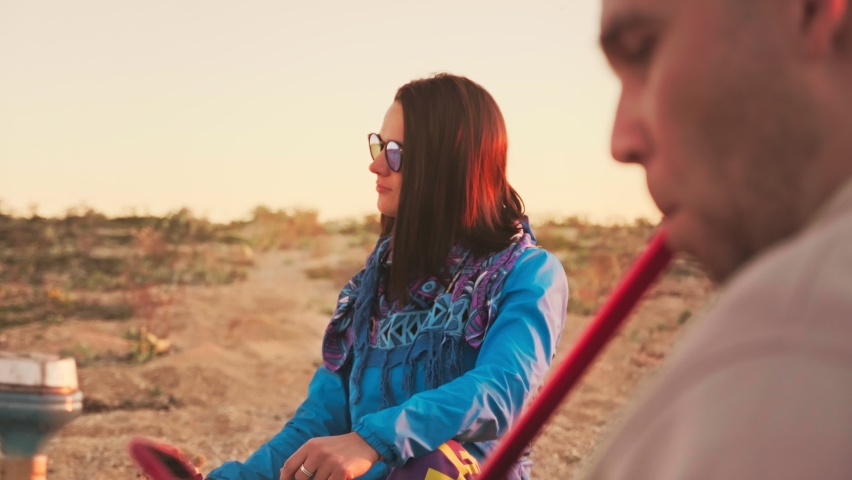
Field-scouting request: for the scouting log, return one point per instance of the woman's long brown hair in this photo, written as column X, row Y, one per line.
column 454, row 186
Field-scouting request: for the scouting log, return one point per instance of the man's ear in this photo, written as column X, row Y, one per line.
column 821, row 22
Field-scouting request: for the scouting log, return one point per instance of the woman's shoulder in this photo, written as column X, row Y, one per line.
column 537, row 259
column 536, row 289
column 539, row 270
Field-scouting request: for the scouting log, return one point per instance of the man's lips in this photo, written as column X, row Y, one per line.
column 668, row 213
column 664, row 202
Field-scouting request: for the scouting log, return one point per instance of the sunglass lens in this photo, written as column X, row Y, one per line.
column 375, row 146
column 394, row 154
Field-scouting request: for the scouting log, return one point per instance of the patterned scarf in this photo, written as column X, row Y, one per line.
column 362, row 307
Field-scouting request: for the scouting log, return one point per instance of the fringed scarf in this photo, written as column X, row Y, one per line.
column 436, row 321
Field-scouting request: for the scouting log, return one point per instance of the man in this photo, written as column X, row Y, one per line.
column 740, row 112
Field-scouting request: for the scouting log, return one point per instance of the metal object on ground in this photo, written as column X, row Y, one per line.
column 38, row 396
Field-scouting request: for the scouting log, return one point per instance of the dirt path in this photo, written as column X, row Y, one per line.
column 244, row 353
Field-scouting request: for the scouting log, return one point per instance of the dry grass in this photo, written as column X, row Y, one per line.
column 338, row 274
column 283, row 228
column 85, row 265
column 89, row 266
column 595, row 256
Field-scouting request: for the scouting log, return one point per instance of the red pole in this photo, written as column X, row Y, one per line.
column 625, row 296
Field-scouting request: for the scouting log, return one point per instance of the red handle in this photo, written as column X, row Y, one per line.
column 625, row 296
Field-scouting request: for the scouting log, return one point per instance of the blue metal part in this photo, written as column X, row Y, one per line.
column 28, row 420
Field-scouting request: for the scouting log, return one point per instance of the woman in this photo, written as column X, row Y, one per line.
column 448, row 331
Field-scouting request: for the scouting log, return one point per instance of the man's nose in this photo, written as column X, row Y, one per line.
column 630, row 142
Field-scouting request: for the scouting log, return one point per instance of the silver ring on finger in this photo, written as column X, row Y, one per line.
column 307, row 472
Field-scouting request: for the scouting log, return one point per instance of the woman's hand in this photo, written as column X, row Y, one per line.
column 343, row 457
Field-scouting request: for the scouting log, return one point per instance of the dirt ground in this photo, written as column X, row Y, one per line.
column 242, row 355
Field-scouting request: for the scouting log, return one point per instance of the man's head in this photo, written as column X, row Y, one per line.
column 740, row 111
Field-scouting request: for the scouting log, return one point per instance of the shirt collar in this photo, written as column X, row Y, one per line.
column 838, row 204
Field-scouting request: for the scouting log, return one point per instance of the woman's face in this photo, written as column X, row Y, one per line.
column 389, row 182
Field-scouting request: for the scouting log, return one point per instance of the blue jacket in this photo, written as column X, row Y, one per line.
column 475, row 406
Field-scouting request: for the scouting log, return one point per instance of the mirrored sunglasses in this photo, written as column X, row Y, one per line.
column 393, row 151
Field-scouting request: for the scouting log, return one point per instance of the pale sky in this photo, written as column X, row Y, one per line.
column 223, row 105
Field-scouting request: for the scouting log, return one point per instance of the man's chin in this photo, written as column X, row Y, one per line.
column 678, row 233
column 716, row 253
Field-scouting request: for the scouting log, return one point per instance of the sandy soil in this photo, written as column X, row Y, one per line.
column 243, row 354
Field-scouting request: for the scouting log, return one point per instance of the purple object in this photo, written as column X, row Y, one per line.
column 450, row 460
